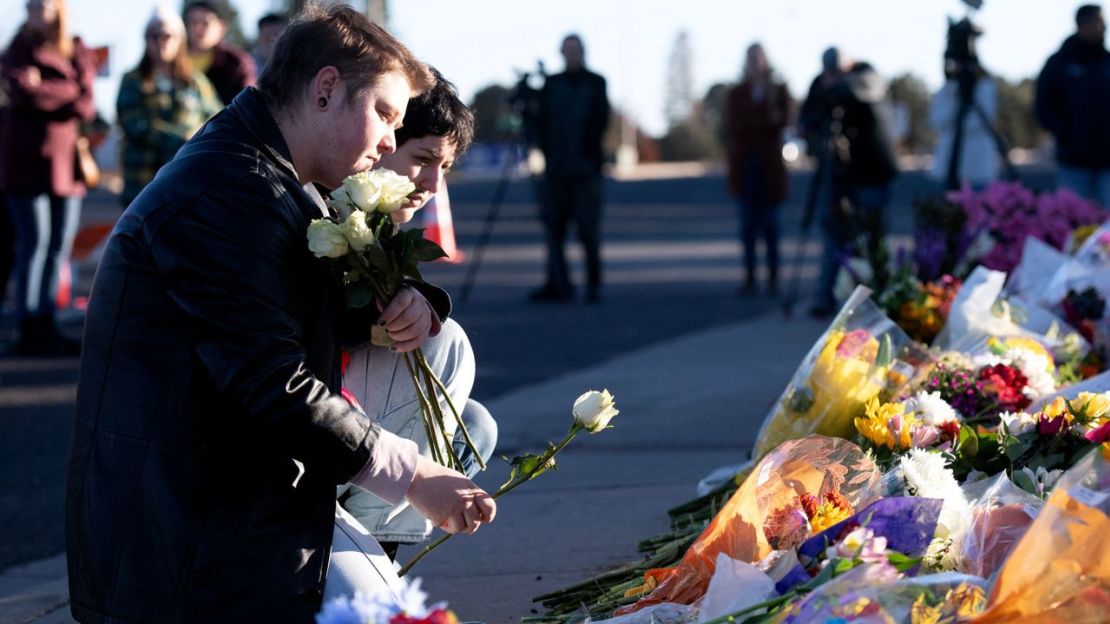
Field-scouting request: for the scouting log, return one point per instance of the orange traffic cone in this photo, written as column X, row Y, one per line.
column 439, row 228
column 85, row 243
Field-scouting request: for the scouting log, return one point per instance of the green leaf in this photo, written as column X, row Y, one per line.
column 425, row 250
column 902, row 562
column 378, row 258
column 967, row 444
column 886, row 349
column 359, row 294
column 1023, row 481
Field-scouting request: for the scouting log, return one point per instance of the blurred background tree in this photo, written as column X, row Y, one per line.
column 910, row 96
column 1015, row 113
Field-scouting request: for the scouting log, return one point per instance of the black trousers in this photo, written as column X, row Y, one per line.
column 576, row 199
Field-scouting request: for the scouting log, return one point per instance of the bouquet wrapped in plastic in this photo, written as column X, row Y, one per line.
column 855, row 360
column 1060, row 570
column 1001, row 514
column 874, row 593
column 799, row 489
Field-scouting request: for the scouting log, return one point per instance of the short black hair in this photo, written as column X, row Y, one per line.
column 1087, row 13
column 438, row 112
column 206, row 5
column 273, row 19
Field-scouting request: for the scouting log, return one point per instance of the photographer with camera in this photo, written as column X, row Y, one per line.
column 1073, row 97
column 856, row 166
column 963, row 113
column 570, row 122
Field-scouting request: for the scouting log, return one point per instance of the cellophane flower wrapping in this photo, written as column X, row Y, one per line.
column 815, row 466
column 1001, row 514
column 874, row 593
column 1060, row 570
column 855, row 360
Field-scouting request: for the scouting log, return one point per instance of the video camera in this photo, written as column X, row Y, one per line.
column 961, row 60
column 524, row 99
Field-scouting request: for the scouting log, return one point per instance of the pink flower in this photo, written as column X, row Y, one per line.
column 1100, row 434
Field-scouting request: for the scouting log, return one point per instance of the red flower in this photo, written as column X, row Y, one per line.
column 1006, row 383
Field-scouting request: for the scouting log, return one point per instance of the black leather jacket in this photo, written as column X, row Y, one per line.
column 209, row 378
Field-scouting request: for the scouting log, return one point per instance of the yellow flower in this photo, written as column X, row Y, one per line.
column 843, row 377
column 1027, row 344
column 1058, row 407
column 1091, row 406
column 887, row 424
column 827, row 515
column 961, row 603
column 1104, row 449
column 923, row 613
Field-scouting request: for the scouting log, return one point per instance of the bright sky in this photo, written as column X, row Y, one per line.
column 479, row 42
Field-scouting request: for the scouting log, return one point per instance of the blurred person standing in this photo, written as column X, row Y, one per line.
column 572, row 117
column 1073, row 97
column 814, row 116
column 228, row 68
column 49, row 76
column 161, row 103
column 756, row 112
column 979, row 163
column 270, row 28
column 7, row 231
column 860, row 149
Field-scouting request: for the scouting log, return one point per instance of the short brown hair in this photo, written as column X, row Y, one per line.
column 341, row 37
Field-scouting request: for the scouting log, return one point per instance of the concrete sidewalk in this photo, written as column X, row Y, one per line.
column 687, row 406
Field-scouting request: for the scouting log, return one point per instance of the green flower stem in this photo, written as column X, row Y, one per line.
column 541, row 466
column 437, row 411
column 423, row 361
column 766, row 604
column 425, row 408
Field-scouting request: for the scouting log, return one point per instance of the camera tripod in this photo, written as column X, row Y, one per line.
column 967, row 77
column 523, row 101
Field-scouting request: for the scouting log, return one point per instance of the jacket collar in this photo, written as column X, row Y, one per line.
column 250, row 107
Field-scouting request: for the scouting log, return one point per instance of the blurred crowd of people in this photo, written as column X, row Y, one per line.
column 189, row 71
column 846, row 122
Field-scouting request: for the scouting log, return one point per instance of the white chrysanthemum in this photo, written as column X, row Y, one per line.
column 1017, row 423
column 932, row 409
column 1037, row 368
column 926, row 476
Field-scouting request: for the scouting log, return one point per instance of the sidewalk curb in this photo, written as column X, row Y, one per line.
column 35, row 590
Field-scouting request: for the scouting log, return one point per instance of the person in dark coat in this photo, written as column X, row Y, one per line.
column 228, row 68
column 861, row 167
column 571, row 121
column 756, row 112
column 1073, row 97
column 49, row 76
column 210, row 431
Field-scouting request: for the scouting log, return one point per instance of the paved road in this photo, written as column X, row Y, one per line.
column 672, row 268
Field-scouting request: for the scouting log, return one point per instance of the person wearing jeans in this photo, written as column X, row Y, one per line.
column 49, row 76
column 437, row 128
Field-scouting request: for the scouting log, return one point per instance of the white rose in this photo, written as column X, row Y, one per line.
column 364, row 189
column 340, row 201
column 326, row 238
column 593, row 410
column 359, row 235
column 395, row 189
